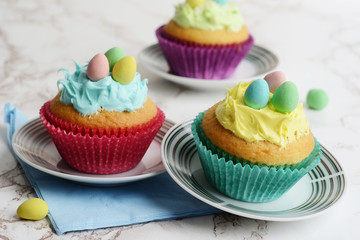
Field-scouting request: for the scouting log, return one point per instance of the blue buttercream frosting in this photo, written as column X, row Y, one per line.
column 89, row 97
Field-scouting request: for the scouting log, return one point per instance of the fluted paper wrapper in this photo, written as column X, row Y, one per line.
column 245, row 181
column 100, row 151
column 202, row 61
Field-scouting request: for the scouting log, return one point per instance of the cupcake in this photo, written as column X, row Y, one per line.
column 206, row 39
column 102, row 121
column 255, row 145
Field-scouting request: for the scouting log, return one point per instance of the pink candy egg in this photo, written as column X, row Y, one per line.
column 98, row 68
column 275, row 79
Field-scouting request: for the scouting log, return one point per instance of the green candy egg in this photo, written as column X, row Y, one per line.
column 124, row 70
column 113, row 55
column 285, row 98
column 33, row 209
column 317, row 99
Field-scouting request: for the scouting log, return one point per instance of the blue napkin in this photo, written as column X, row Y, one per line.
column 75, row 207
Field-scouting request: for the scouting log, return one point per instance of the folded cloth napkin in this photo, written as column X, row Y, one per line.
column 75, row 207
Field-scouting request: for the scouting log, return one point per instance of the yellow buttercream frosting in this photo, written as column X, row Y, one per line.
column 263, row 124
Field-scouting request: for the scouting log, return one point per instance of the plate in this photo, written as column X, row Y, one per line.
column 257, row 62
column 316, row 192
column 33, row 144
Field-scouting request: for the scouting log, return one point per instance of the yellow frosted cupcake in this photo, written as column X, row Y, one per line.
column 253, row 146
column 205, row 39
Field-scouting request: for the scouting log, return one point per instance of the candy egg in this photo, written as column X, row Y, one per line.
column 195, row 3
column 257, row 94
column 317, row 99
column 33, row 209
column 221, row 2
column 114, row 55
column 98, row 68
column 275, row 79
column 285, row 98
column 124, row 70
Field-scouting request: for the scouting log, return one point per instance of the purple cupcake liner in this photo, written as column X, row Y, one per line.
column 202, row 61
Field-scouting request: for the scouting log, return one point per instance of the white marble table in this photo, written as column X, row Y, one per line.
column 317, row 42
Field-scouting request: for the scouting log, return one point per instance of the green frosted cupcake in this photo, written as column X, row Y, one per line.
column 253, row 170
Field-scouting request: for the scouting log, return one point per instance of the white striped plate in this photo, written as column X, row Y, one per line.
column 315, row 193
column 33, row 145
column 256, row 64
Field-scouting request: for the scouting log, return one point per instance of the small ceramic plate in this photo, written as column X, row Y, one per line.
column 256, row 64
column 34, row 146
column 315, row 193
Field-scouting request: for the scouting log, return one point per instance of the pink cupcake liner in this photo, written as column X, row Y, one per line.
column 101, row 154
column 199, row 60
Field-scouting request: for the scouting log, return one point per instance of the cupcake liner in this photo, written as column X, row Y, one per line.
column 69, row 127
column 244, row 181
column 199, row 60
column 102, row 154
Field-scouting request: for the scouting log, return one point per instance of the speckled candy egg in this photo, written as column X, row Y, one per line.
column 257, row 94
column 98, row 68
column 124, row 70
column 33, row 209
column 317, row 99
column 114, row 55
column 285, row 98
column 275, row 79
column 195, row 3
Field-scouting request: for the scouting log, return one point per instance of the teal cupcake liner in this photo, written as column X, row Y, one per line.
column 242, row 180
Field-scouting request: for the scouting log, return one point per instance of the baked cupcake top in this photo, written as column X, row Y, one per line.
column 104, row 84
column 262, row 118
column 209, row 15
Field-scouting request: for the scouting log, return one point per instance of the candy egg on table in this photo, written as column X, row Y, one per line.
column 195, row 3
column 275, row 79
column 285, row 98
column 98, row 68
column 317, row 99
column 257, row 94
column 114, row 55
column 124, row 70
column 33, row 209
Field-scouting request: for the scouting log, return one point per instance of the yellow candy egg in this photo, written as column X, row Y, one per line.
column 33, row 209
column 195, row 3
column 124, row 70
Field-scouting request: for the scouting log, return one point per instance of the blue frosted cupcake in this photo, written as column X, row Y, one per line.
column 255, row 154
column 102, row 121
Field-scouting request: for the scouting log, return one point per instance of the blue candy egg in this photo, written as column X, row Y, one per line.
column 257, row 94
column 221, row 2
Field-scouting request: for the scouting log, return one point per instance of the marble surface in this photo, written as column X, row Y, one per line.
column 317, row 42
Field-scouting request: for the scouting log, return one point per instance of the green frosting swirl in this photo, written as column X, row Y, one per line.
column 209, row 16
